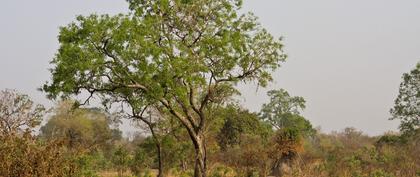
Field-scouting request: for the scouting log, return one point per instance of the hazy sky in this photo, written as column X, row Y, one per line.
column 345, row 57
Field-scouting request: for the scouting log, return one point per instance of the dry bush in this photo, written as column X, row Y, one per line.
column 25, row 157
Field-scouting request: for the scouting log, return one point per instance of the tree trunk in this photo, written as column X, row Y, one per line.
column 200, row 156
column 120, row 173
column 159, row 154
column 184, row 165
column 197, row 137
column 159, row 151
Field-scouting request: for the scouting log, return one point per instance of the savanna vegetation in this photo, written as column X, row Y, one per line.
column 171, row 67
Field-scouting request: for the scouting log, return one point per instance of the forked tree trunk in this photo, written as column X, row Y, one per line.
column 198, row 139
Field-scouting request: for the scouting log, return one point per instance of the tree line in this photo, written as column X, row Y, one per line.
column 276, row 141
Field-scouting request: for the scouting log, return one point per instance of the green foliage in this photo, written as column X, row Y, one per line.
column 175, row 152
column 160, row 51
column 283, row 111
column 298, row 123
column 147, row 174
column 407, row 104
column 390, row 139
column 188, row 173
column 85, row 165
column 80, row 128
column 182, row 57
column 121, row 160
column 222, row 171
column 100, row 161
column 141, row 162
column 237, row 123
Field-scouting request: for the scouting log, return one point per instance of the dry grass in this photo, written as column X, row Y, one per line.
column 112, row 174
column 115, row 174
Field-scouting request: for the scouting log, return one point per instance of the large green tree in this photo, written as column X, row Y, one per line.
column 407, row 104
column 180, row 56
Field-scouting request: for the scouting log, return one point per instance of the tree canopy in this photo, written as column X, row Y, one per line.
column 238, row 122
column 283, row 111
column 407, row 104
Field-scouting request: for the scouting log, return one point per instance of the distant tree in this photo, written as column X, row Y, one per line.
column 237, row 123
column 141, row 161
column 121, row 160
column 18, row 113
column 161, row 128
column 81, row 129
column 283, row 111
column 177, row 152
column 153, row 119
column 182, row 56
column 407, row 104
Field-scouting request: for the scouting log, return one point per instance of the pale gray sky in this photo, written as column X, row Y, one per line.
column 346, row 57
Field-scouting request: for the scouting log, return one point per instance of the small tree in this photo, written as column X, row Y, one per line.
column 121, row 160
column 407, row 104
column 18, row 114
column 283, row 111
column 179, row 55
column 155, row 123
column 287, row 143
column 237, row 123
column 140, row 162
